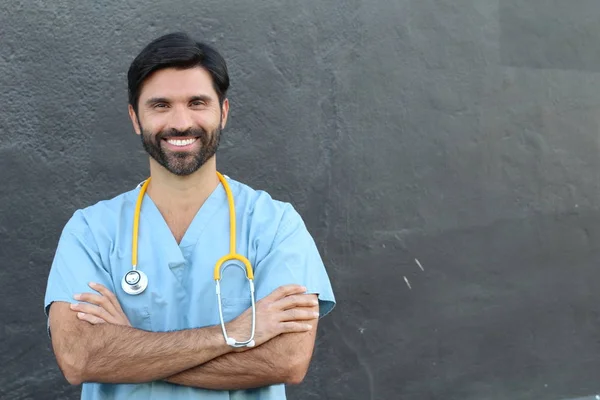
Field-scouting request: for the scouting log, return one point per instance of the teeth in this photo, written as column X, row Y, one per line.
column 181, row 142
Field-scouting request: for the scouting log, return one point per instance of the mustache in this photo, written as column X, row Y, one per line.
column 189, row 133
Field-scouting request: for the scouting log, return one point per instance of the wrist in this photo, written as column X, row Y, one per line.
column 231, row 333
column 217, row 341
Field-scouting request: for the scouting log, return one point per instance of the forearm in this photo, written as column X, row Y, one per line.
column 120, row 354
column 129, row 355
column 272, row 363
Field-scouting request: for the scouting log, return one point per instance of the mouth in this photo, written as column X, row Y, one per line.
column 176, row 143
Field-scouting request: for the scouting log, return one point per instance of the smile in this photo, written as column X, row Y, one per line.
column 181, row 143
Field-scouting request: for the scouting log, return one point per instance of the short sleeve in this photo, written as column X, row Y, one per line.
column 76, row 263
column 294, row 259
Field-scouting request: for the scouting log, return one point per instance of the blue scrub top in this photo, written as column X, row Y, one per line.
column 95, row 246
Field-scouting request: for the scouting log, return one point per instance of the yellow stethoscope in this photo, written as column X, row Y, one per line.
column 135, row 282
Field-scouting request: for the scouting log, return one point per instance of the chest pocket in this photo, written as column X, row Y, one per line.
column 235, row 306
column 137, row 309
column 235, row 293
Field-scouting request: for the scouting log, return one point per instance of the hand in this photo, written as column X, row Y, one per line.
column 287, row 309
column 104, row 307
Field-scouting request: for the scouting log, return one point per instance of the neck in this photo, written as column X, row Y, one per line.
column 174, row 194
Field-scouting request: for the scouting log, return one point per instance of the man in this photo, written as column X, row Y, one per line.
column 167, row 341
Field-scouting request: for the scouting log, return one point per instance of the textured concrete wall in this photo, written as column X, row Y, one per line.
column 461, row 133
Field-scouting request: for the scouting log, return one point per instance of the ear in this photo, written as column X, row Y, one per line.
column 134, row 120
column 224, row 113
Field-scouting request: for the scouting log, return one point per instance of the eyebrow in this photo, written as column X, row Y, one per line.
column 202, row 97
column 155, row 100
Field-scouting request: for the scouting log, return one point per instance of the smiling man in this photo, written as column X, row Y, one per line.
column 161, row 331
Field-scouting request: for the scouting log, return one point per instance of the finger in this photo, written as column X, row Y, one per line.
column 291, row 327
column 299, row 314
column 90, row 318
column 98, row 300
column 94, row 311
column 103, row 290
column 298, row 300
column 287, row 290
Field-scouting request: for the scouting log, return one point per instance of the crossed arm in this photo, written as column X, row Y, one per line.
column 284, row 359
column 113, row 353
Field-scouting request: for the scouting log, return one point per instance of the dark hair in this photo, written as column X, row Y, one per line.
column 176, row 50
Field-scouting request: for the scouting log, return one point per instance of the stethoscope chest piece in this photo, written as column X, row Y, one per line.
column 134, row 282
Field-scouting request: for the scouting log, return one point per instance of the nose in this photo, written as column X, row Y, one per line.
column 181, row 119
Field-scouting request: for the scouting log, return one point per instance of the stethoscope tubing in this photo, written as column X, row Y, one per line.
column 135, row 281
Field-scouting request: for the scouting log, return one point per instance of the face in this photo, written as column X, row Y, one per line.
column 179, row 119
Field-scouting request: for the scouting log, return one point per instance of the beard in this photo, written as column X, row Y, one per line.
column 182, row 163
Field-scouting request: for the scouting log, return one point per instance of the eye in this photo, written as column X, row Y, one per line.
column 160, row 105
column 198, row 103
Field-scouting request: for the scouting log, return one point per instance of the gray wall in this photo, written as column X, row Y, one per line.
column 461, row 133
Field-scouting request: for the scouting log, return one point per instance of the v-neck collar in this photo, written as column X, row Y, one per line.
column 176, row 252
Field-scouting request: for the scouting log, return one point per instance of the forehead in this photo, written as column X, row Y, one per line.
column 178, row 83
